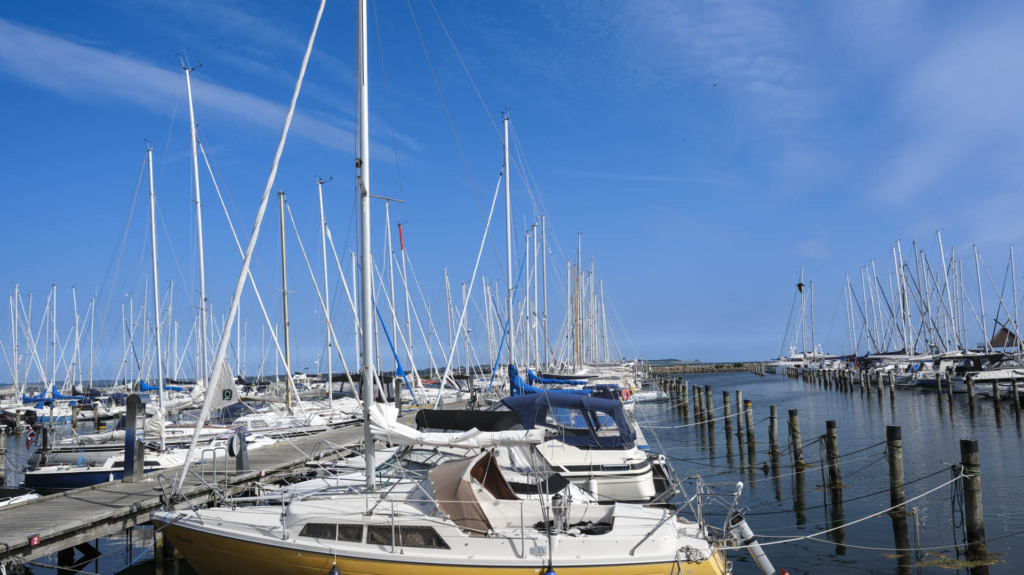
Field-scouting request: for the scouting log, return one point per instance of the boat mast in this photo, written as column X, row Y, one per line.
column 536, row 327
column 327, row 298
column 284, row 300
column 544, row 273
column 509, row 328
column 156, row 291
column 366, row 256
column 203, row 327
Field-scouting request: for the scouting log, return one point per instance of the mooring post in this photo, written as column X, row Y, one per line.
column 709, row 403
column 832, row 454
column 684, row 395
column 971, row 465
column 970, row 389
column 796, row 444
column 727, row 411
column 894, row 452
column 1015, row 396
column 892, row 385
column 897, row 497
column 698, row 403
column 748, row 408
column 773, row 431
column 134, row 446
column 739, row 414
column 995, row 394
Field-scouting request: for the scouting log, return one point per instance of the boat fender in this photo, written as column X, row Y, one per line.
column 550, row 571
column 334, row 570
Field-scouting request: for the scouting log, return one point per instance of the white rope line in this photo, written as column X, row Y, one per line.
column 862, row 519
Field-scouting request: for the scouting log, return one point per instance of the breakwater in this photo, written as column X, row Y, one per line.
column 752, row 367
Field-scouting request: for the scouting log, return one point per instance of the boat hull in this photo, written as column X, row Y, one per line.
column 211, row 553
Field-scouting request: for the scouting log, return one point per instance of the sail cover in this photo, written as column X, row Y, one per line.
column 453, row 484
column 385, row 426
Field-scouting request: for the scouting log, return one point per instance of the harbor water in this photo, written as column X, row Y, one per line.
column 803, row 526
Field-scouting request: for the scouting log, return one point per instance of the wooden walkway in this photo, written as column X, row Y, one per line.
column 56, row 522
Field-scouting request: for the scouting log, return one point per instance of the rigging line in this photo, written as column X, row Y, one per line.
column 320, row 298
column 126, row 224
column 465, row 305
column 469, row 76
column 862, row 519
column 387, row 98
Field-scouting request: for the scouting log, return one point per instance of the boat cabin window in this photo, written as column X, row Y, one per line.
column 405, row 536
column 580, row 423
column 339, row 532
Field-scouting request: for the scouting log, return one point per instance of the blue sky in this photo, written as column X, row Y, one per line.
column 704, row 150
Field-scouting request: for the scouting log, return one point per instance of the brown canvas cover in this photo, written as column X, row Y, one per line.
column 453, row 489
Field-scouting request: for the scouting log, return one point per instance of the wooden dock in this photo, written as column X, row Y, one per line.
column 64, row 520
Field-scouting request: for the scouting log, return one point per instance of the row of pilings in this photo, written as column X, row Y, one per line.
column 736, row 416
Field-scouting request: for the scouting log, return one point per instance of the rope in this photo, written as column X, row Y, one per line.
column 854, row 522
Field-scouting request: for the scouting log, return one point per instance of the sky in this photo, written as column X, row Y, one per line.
column 701, row 153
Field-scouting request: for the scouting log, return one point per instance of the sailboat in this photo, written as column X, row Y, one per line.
column 456, row 516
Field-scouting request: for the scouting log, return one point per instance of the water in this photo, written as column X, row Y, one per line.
column 931, row 430
column 777, row 511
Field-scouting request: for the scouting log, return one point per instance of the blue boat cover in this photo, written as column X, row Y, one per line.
column 519, row 387
column 580, row 420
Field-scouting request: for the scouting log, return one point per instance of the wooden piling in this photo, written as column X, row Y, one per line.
column 795, row 442
column 970, row 389
column 894, row 451
column 709, row 404
column 996, row 394
column 739, row 414
column 1015, row 396
column 975, row 518
column 773, row 431
column 832, row 455
column 897, row 499
column 727, row 415
column 748, row 408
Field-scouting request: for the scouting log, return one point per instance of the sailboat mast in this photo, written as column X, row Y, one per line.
column 510, row 328
column 156, row 291
column 366, row 256
column 327, row 297
column 284, row 302
column 203, row 327
column 544, row 274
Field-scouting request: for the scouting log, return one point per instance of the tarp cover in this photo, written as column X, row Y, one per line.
column 384, row 425
column 578, row 420
column 465, row 419
column 453, row 487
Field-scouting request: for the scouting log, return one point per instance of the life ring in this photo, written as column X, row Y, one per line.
column 625, row 394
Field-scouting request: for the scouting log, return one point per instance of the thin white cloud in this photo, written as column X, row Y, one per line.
column 91, row 74
column 962, row 104
column 812, row 249
column 746, row 48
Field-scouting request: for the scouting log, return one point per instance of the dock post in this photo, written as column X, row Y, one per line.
column 773, row 431
column 698, row 403
column 684, row 395
column 970, row 389
column 727, row 408
column 74, row 415
column 795, row 441
column 832, row 455
column 748, row 408
column 995, row 394
column 739, row 415
column 971, row 465
column 134, row 447
column 892, row 385
column 1015, row 396
column 897, row 497
column 709, row 403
